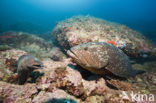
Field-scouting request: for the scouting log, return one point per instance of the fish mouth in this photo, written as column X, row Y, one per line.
column 38, row 65
column 72, row 54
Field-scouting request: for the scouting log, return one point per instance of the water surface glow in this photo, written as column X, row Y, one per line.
column 137, row 14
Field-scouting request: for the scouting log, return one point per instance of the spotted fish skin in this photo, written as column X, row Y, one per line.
column 102, row 58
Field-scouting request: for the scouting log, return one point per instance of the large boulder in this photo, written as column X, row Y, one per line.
column 83, row 29
column 30, row 43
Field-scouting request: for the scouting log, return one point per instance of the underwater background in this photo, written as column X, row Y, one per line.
column 39, row 16
column 77, row 51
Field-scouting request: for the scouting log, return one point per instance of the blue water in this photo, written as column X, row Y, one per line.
column 42, row 15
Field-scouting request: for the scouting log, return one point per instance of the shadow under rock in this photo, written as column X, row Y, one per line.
column 84, row 73
column 87, row 75
column 34, row 76
column 63, row 100
column 1, row 100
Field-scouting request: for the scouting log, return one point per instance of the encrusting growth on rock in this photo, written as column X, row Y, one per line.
column 26, row 64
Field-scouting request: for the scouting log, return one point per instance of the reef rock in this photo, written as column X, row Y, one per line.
column 8, row 63
column 10, row 93
column 60, row 74
column 57, row 96
column 84, row 29
column 57, row 55
column 30, row 43
column 62, row 82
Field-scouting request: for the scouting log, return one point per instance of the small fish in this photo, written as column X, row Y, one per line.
column 112, row 42
column 69, row 28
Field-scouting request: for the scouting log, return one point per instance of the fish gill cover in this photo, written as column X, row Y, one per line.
column 83, row 48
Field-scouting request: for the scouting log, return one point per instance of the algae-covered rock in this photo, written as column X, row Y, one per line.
column 83, row 29
column 4, row 47
column 60, row 82
column 56, row 54
column 63, row 82
column 30, row 43
column 8, row 67
column 15, row 94
column 57, row 96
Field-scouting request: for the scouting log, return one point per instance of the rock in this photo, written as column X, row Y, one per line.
column 57, row 55
column 13, row 53
column 61, row 76
column 4, row 47
column 30, row 43
column 146, row 82
column 61, row 82
column 96, row 87
column 8, row 65
column 84, row 29
column 14, row 93
column 95, row 99
column 54, row 97
column 121, row 85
